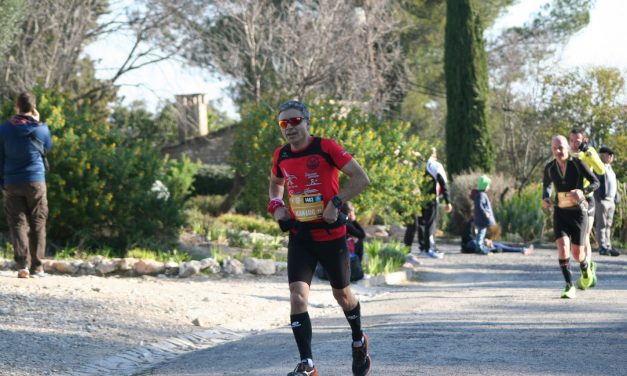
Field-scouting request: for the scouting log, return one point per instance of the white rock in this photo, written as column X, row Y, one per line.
column 211, row 265
column 106, row 266
column 188, row 269
column 127, row 263
column 233, row 266
column 259, row 266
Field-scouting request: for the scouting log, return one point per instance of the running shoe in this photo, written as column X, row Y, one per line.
column 434, row 254
column 22, row 273
column 527, row 250
column 614, row 252
column 303, row 369
column 593, row 268
column 604, row 251
column 569, row 292
column 361, row 359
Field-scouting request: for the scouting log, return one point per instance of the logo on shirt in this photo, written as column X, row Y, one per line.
column 313, row 162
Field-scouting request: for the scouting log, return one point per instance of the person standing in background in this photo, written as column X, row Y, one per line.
column 23, row 144
column 606, row 198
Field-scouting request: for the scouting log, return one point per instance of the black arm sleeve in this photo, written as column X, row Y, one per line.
column 355, row 229
column 547, row 181
column 590, row 176
column 444, row 186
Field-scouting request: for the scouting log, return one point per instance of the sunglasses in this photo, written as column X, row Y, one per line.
column 295, row 121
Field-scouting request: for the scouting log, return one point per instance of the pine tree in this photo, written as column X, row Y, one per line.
column 468, row 136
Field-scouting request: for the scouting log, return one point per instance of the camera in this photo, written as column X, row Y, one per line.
column 584, row 146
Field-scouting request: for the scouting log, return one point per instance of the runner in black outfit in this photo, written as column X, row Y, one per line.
column 570, row 217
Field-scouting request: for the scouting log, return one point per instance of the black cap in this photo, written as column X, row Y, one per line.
column 606, row 150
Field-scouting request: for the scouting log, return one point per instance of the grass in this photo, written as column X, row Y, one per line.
column 383, row 257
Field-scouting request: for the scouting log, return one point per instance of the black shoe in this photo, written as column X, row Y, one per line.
column 614, row 252
column 604, row 251
column 361, row 359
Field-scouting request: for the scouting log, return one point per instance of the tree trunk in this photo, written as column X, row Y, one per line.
column 231, row 198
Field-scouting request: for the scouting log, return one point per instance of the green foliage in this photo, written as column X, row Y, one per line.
column 213, row 180
column 619, row 227
column 383, row 257
column 522, row 214
column 468, row 135
column 250, row 223
column 140, row 125
column 391, row 157
column 501, row 189
column 588, row 99
column 100, row 188
column 205, row 204
column 158, row 255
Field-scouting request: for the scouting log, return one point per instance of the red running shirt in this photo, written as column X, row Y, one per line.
column 312, row 179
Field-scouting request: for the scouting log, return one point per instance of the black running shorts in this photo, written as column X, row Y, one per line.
column 572, row 223
column 303, row 256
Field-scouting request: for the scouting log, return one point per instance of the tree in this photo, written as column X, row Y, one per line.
column 519, row 59
column 468, row 134
column 11, row 15
column 334, row 49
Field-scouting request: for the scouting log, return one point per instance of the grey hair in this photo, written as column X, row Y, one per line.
column 295, row 105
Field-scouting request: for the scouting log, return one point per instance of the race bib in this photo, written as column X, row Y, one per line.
column 307, row 207
column 565, row 200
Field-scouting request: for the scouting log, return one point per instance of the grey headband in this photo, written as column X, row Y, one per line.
column 295, row 105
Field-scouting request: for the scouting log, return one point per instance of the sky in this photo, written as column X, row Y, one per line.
column 600, row 43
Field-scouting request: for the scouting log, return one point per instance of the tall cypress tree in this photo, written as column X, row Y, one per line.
column 468, row 136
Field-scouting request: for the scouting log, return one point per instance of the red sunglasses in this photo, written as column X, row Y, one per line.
column 295, row 121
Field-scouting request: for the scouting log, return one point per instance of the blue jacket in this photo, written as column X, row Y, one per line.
column 20, row 161
column 483, row 210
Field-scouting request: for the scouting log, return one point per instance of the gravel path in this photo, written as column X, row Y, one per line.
column 466, row 314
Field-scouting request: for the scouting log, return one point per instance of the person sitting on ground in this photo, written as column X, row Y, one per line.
column 469, row 242
column 483, row 215
column 355, row 236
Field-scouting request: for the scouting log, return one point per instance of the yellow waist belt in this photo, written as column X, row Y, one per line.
column 566, row 200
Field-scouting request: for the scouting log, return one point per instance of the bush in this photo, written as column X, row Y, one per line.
column 100, row 190
column 383, row 258
column 461, row 186
column 213, row 180
column 385, row 149
column 522, row 214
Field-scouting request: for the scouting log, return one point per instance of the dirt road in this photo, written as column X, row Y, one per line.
column 466, row 315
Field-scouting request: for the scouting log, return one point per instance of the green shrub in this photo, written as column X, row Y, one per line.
column 213, row 180
column 522, row 214
column 250, row 223
column 100, row 188
column 158, row 255
column 463, row 206
column 205, row 204
column 383, row 258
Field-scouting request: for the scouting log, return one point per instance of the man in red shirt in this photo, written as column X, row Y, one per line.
column 309, row 167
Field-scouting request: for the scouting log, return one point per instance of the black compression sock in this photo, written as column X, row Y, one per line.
column 301, row 327
column 584, row 268
column 354, row 320
column 565, row 266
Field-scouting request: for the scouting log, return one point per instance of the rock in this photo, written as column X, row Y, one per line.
column 48, row 265
column 96, row 260
column 196, row 322
column 3, row 263
column 376, row 231
column 211, row 265
column 233, row 266
column 281, row 266
column 126, row 263
column 106, row 266
column 187, row 269
column 171, row 268
column 148, row 267
column 259, row 266
column 65, row 267
column 260, row 237
column 86, row 268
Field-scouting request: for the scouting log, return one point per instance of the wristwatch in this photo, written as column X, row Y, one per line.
column 337, row 202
